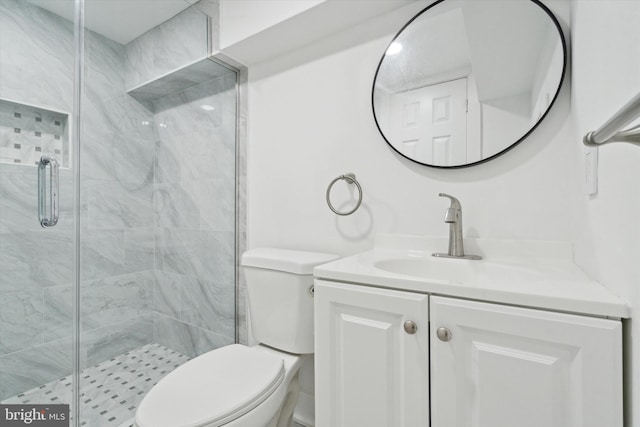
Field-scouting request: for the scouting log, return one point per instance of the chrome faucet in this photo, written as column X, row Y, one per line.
column 453, row 217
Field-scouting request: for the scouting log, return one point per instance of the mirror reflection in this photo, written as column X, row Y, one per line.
column 464, row 81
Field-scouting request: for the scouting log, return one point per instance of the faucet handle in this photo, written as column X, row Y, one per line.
column 455, row 203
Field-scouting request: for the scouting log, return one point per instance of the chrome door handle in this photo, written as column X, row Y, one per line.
column 48, row 192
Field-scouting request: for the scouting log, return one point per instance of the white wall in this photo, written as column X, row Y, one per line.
column 310, row 120
column 606, row 74
column 242, row 19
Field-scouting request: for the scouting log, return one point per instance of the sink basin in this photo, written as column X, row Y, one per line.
column 457, row 270
column 444, row 269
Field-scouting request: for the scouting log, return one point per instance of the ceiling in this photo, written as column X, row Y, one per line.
column 119, row 20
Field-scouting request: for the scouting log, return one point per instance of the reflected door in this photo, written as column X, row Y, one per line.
column 431, row 123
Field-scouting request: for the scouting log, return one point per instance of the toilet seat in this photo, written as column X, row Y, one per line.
column 213, row 389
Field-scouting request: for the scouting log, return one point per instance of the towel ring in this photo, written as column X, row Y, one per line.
column 351, row 179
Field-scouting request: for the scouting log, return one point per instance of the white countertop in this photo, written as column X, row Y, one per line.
column 530, row 274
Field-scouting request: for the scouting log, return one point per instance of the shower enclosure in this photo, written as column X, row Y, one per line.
column 119, row 202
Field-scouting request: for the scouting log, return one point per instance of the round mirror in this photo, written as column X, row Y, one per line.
column 465, row 81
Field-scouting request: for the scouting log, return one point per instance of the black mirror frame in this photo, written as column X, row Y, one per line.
column 510, row 147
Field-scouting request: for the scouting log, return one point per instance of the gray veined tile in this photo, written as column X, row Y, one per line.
column 58, row 312
column 209, row 156
column 192, row 110
column 134, row 159
column 198, row 253
column 113, row 300
column 175, row 207
column 21, row 320
column 18, row 199
column 35, row 259
column 208, row 341
column 216, row 203
column 110, row 205
column 104, row 70
column 170, row 45
column 97, row 155
column 102, row 254
column 104, row 302
column 168, row 161
column 106, row 342
column 195, row 143
column 209, row 305
column 139, row 249
column 139, row 61
column 167, row 293
column 176, row 335
column 26, row 369
column 178, row 120
column 180, row 40
column 134, row 121
column 133, row 164
column 42, row 35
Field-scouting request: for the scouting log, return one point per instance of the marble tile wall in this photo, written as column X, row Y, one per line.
column 35, row 47
column 35, row 61
column 195, row 213
column 157, row 202
column 167, row 47
column 116, row 213
column 117, row 277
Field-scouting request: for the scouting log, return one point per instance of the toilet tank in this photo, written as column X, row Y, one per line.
column 279, row 283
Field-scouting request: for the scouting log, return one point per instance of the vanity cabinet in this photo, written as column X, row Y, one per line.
column 503, row 366
column 370, row 372
column 470, row 363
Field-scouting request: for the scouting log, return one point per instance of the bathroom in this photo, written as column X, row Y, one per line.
column 289, row 87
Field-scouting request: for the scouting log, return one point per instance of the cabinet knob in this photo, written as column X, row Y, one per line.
column 444, row 334
column 410, row 327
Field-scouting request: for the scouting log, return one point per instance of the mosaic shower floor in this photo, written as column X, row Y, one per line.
column 111, row 390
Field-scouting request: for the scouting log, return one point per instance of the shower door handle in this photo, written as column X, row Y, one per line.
column 49, row 192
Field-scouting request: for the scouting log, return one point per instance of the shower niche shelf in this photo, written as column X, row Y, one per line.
column 27, row 132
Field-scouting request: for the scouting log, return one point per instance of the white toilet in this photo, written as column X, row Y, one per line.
column 240, row 386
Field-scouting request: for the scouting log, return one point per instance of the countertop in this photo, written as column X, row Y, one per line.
column 530, row 274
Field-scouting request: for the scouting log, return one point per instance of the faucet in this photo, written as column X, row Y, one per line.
column 453, row 217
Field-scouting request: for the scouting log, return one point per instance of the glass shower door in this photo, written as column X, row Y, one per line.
column 157, row 205
column 149, row 250
column 36, row 205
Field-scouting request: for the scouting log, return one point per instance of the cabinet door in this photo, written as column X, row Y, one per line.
column 370, row 372
column 508, row 366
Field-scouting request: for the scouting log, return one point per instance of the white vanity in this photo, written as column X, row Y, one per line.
column 522, row 338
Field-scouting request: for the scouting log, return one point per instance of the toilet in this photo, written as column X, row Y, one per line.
column 240, row 386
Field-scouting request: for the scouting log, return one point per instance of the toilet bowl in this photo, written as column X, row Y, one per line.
column 233, row 386
column 240, row 386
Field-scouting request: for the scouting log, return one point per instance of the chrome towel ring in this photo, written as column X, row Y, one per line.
column 351, row 179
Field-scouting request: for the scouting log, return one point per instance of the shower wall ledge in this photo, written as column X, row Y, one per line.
column 192, row 74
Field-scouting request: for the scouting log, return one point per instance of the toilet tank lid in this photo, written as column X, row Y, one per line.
column 291, row 261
